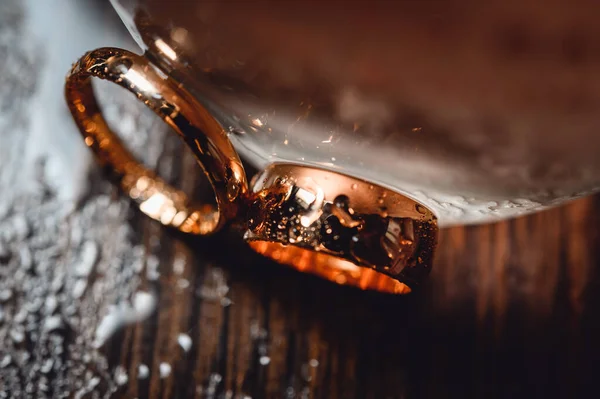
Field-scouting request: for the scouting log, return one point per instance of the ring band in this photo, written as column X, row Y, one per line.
column 344, row 229
column 202, row 133
column 341, row 228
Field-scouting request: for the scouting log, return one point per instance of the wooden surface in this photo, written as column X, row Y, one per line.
column 511, row 309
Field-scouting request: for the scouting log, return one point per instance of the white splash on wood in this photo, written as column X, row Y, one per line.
column 123, row 314
column 143, row 371
column 121, row 376
column 185, row 342
column 164, row 370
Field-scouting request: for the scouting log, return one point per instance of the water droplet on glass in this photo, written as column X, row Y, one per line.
column 185, row 342
column 120, row 66
column 179, row 35
column 421, row 209
column 5, row 295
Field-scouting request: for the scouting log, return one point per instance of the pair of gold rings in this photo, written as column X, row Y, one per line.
column 344, row 229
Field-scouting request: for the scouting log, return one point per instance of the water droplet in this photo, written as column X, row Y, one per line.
column 226, row 302
column 89, row 257
column 185, row 342
column 5, row 295
column 342, row 201
column 233, row 190
column 179, row 35
column 421, row 209
column 120, row 66
column 47, row 366
column 354, row 186
column 183, row 283
column 164, row 369
column 121, row 377
column 236, row 131
column 264, row 360
column 5, row 361
column 143, row 371
column 17, row 335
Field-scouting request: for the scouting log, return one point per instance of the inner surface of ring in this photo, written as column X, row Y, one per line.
column 342, row 228
column 329, row 267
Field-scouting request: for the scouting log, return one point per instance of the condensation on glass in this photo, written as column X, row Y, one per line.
column 479, row 110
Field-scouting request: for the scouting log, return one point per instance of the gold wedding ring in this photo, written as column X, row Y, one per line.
column 341, row 228
column 344, row 229
column 200, row 131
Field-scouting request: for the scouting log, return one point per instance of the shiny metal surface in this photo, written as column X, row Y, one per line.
column 480, row 110
column 180, row 111
column 329, row 224
column 318, row 221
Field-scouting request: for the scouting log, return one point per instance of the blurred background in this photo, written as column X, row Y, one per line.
column 98, row 301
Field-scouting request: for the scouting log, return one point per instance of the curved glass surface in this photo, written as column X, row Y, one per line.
column 480, row 110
